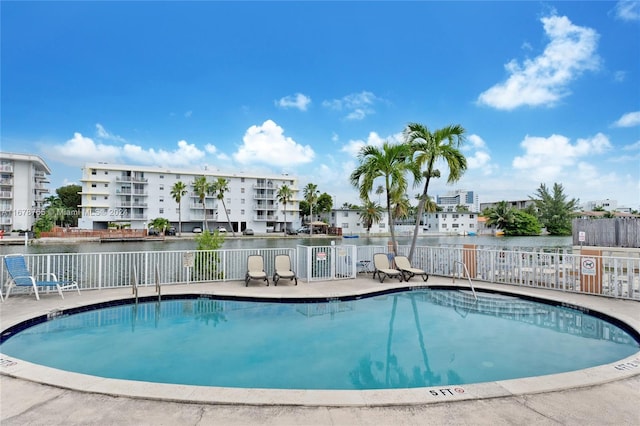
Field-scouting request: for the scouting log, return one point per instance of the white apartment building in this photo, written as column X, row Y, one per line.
column 460, row 197
column 350, row 222
column 23, row 189
column 136, row 195
column 608, row 205
column 455, row 223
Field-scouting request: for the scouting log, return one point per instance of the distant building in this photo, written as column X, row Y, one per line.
column 350, row 222
column 515, row 204
column 608, row 205
column 23, row 189
column 458, row 223
column 135, row 195
column 453, row 199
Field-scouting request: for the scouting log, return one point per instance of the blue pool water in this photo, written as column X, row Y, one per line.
column 396, row 340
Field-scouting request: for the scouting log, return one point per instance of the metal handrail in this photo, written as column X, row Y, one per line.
column 473, row 290
column 134, row 281
column 158, row 281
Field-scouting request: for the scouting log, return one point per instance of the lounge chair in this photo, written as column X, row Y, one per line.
column 383, row 268
column 19, row 276
column 408, row 272
column 283, row 269
column 255, row 269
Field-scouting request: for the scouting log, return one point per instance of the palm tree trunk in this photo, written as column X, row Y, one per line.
column 228, row 221
column 421, row 203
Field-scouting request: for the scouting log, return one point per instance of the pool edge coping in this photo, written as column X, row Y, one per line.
column 619, row 370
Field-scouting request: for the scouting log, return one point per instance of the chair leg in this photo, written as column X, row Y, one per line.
column 59, row 290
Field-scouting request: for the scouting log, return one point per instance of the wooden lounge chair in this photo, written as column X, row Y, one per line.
column 283, row 269
column 19, row 276
column 255, row 269
column 383, row 268
column 408, row 272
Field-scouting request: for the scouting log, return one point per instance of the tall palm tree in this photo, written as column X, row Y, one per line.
column 179, row 190
column 311, row 194
column 370, row 213
column 429, row 148
column 392, row 163
column 202, row 188
column 401, row 206
column 285, row 194
column 220, row 187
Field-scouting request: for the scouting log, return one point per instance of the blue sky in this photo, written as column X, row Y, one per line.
column 547, row 91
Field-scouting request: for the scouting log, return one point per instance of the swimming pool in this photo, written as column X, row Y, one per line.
column 391, row 340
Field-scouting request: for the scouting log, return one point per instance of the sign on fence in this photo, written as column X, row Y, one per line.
column 588, row 266
column 187, row 259
column 321, row 255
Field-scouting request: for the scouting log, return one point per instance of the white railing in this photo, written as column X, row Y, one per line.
column 613, row 276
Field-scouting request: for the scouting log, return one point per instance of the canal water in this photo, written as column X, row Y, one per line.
column 241, row 242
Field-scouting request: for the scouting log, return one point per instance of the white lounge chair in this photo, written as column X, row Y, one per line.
column 283, row 269
column 19, row 276
column 408, row 272
column 383, row 268
column 255, row 269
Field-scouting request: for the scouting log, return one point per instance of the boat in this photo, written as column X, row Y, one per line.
column 350, row 236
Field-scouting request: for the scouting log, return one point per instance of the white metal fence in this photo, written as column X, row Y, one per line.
column 611, row 275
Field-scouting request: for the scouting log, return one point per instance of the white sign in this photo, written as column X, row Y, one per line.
column 582, row 236
column 187, row 259
column 588, row 265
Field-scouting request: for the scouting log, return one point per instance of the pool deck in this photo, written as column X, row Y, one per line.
column 32, row 394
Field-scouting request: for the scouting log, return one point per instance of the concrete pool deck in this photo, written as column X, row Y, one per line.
column 31, row 394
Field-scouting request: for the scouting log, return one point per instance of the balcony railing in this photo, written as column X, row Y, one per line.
column 7, row 168
column 131, row 179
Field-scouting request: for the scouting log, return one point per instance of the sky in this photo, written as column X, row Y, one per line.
column 547, row 92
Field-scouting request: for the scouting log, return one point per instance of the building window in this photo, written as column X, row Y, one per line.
column 106, row 197
column 161, row 199
column 93, row 198
column 161, row 176
column 93, row 171
column 345, row 225
column 241, row 179
column 444, row 225
column 161, row 210
column 345, row 214
column 242, row 212
column 242, row 190
column 242, row 201
column 455, row 225
column 161, row 187
column 93, row 185
column 106, row 172
column 106, row 185
column 177, row 176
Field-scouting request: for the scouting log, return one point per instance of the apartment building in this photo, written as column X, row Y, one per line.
column 134, row 196
column 460, row 197
column 351, row 223
column 23, row 189
column 455, row 223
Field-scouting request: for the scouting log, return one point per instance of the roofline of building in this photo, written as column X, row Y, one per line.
column 26, row 157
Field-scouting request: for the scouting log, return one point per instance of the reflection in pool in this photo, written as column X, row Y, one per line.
column 396, row 340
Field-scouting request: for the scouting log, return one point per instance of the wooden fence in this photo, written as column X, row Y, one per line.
column 614, row 232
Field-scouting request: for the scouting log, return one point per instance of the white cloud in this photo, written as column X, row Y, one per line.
column 544, row 79
column 619, row 76
column 80, row 149
column 102, row 133
column 546, row 159
column 354, row 145
column 210, row 149
column 267, row 144
column 298, row 101
column 630, row 119
column 628, row 10
column 188, row 114
column 357, row 105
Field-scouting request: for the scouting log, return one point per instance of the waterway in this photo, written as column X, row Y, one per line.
column 241, row 242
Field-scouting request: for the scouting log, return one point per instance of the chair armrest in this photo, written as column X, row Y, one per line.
column 47, row 274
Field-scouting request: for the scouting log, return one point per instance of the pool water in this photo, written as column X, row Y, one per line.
column 396, row 340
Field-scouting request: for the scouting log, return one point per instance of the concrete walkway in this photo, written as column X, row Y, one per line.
column 601, row 395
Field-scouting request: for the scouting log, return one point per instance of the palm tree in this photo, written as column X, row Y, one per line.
column 501, row 215
column 370, row 213
column 429, row 148
column 178, row 190
column 401, row 206
column 219, row 187
column 392, row 162
column 311, row 194
column 202, row 188
column 285, row 194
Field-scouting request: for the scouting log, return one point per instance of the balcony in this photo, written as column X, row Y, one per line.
column 7, row 168
column 6, row 194
column 6, row 181
column 131, row 179
column 264, row 185
column 269, row 218
column 269, row 196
